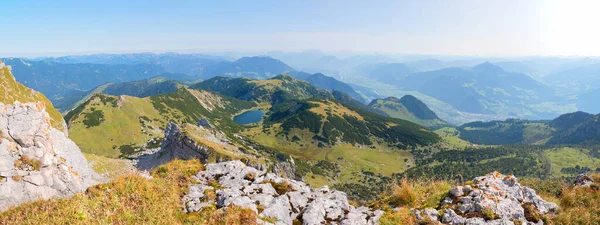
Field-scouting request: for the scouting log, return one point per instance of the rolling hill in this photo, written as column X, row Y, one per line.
column 408, row 108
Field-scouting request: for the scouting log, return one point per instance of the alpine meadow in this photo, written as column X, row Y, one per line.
column 300, row 112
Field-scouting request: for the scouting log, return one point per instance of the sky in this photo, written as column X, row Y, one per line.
column 444, row 27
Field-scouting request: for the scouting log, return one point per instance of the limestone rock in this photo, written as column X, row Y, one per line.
column 287, row 170
column 291, row 200
column 37, row 161
column 204, row 123
column 493, row 193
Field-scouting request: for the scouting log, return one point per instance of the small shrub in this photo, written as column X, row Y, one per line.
column 296, row 222
column 281, row 188
column 402, row 216
column 250, row 176
column 210, row 195
column 25, row 163
column 404, row 194
column 162, row 171
column 260, row 208
column 489, row 214
column 531, row 212
column 94, row 118
column 269, row 219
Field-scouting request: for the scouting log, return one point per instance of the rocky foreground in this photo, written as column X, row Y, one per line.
column 491, row 199
column 276, row 200
column 37, row 161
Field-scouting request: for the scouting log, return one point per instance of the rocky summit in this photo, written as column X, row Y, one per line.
column 491, row 199
column 37, row 161
column 275, row 199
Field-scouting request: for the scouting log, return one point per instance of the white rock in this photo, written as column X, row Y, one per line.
column 26, row 132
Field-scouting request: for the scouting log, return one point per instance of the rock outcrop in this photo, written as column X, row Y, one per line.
column 37, row 161
column 204, row 123
column 282, row 200
column 286, row 169
column 583, row 180
column 492, row 199
column 175, row 145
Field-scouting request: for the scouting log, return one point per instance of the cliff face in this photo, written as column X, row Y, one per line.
column 37, row 161
column 175, row 145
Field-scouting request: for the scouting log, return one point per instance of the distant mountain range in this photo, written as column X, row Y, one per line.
column 258, row 67
column 190, row 64
column 481, row 89
column 141, row 88
column 455, row 90
column 57, row 79
column 329, row 83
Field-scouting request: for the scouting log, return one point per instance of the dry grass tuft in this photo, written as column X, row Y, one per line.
column 25, row 163
column 579, row 205
column 406, row 194
column 129, row 199
column 421, row 193
column 402, row 216
column 280, row 188
column 231, row 216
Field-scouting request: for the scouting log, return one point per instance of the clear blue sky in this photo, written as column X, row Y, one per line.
column 462, row 27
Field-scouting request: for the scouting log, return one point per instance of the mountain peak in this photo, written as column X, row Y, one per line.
column 392, row 99
column 418, row 108
column 255, row 59
column 487, row 67
column 284, row 77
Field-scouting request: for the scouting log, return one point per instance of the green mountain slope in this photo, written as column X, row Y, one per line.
column 273, row 90
column 332, row 122
column 115, row 126
column 408, row 108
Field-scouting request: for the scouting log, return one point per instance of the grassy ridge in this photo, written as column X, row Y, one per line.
column 11, row 91
column 121, row 126
column 116, row 126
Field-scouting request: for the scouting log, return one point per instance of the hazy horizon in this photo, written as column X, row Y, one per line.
column 467, row 27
